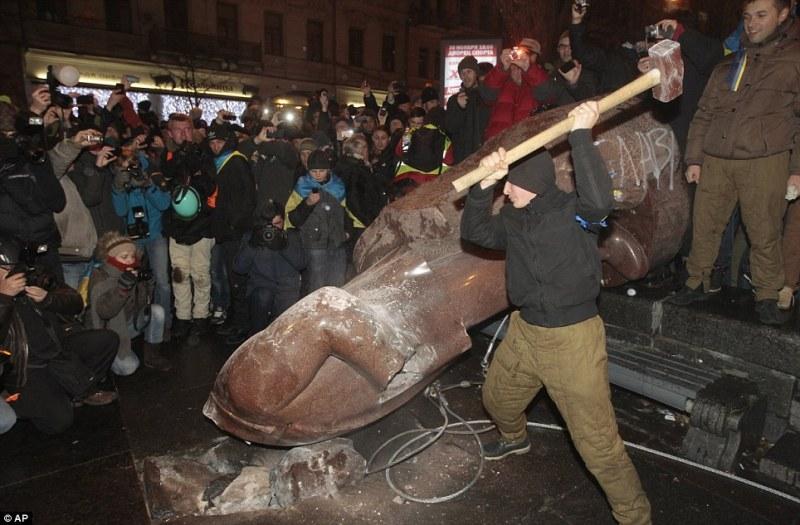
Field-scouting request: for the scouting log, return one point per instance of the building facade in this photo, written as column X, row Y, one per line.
column 233, row 49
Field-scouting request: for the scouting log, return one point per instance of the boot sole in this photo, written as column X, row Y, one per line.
column 514, row 452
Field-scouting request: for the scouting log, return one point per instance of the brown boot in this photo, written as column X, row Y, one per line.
column 154, row 359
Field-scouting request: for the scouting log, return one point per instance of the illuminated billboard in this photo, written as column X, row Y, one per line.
column 484, row 50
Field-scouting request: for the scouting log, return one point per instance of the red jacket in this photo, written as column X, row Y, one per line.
column 514, row 102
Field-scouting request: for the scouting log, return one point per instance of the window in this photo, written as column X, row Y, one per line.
column 464, row 12
column 487, row 14
column 273, row 33
column 422, row 65
column 51, row 10
column 314, row 39
column 227, row 21
column 387, row 53
column 355, row 50
column 437, row 64
column 118, row 15
column 176, row 15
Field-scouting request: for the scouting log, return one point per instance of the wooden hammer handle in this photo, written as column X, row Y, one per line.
column 647, row 81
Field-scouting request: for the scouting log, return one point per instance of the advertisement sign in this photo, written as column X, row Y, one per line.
column 484, row 50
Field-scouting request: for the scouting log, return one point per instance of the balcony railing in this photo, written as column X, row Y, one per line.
column 204, row 46
column 84, row 40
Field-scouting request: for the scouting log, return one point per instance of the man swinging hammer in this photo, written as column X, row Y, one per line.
column 556, row 339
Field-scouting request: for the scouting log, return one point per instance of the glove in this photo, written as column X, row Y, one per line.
column 127, row 281
column 122, row 178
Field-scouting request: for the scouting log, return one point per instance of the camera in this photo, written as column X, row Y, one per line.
column 516, row 54
column 582, row 5
column 28, row 142
column 95, row 139
column 139, row 229
column 34, row 274
column 657, row 32
column 269, row 236
column 566, row 67
column 85, row 100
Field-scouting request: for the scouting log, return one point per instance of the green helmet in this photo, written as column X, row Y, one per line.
column 186, row 202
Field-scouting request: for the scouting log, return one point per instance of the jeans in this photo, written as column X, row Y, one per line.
column 266, row 304
column 326, row 267
column 125, row 365
column 158, row 254
column 220, row 292
column 74, row 272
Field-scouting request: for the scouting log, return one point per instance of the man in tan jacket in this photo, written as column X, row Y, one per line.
column 744, row 143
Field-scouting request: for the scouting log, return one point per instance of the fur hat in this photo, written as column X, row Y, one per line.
column 307, row 144
column 468, row 62
column 111, row 244
column 535, row 174
column 532, row 45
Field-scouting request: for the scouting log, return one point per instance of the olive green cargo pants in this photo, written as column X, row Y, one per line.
column 571, row 363
column 759, row 186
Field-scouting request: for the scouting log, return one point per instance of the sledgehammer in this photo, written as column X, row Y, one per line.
column 666, row 79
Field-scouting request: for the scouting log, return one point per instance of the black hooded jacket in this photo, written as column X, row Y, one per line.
column 553, row 267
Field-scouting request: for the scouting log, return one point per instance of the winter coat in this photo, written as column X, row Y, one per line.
column 112, row 307
column 152, row 199
column 235, row 197
column 75, row 222
column 513, row 102
column 326, row 224
column 466, row 126
column 29, row 196
column 366, row 192
column 553, row 267
column 15, row 331
column 95, row 187
column 272, row 269
column 274, row 168
column 761, row 116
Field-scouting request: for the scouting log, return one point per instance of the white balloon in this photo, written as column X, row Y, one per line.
column 67, row 75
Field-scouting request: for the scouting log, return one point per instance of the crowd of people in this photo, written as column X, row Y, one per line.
column 116, row 224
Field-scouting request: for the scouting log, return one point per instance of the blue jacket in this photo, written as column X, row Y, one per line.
column 153, row 199
column 273, row 269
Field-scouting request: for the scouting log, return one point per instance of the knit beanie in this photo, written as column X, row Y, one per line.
column 113, row 244
column 401, row 98
column 429, row 94
column 319, row 160
column 468, row 62
column 535, row 174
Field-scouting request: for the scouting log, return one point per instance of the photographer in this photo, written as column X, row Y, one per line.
column 188, row 226
column 568, row 82
column 272, row 258
column 613, row 67
column 274, row 162
column 120, row 292
column 397, row 100
column 513, row 81
column 467, row 113
column 29, row 190
column 141, row 202
column 51, row 369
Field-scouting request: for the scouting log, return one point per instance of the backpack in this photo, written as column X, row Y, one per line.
column 426, row 149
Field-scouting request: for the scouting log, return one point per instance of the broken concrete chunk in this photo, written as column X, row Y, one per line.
column 249, row 492
column 316, row 470
column 175, row 486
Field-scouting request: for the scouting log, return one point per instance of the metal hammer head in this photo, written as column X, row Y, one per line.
column 666, row 57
